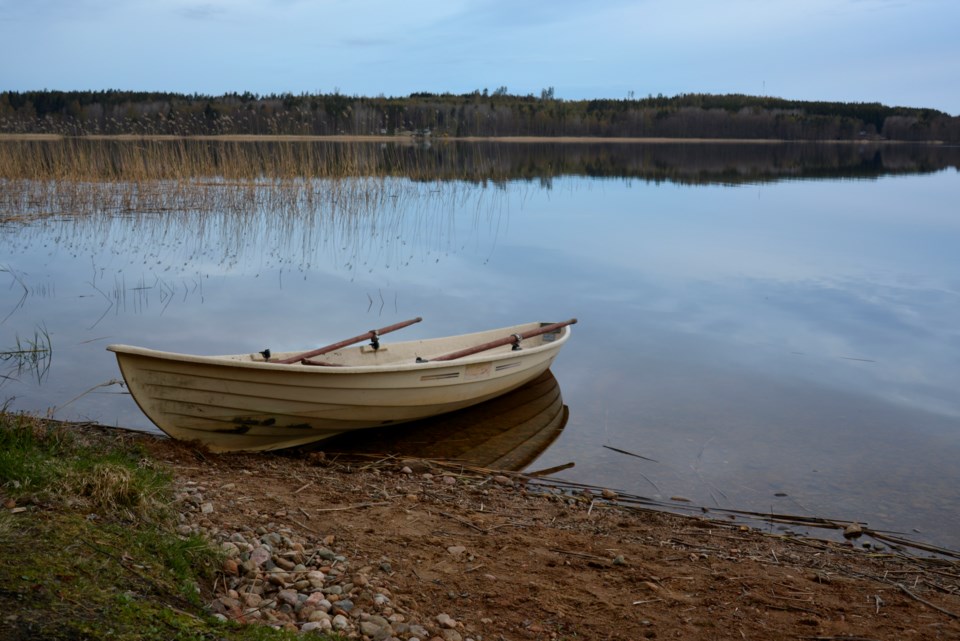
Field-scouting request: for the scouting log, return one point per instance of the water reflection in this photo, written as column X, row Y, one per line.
column 506, row 433
column 81, row 176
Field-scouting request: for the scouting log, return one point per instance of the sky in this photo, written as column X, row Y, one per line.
column 897, row 52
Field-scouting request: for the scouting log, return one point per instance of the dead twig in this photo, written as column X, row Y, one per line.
column 464, row 522
column 645, row 458
column 910, row 594
column 352, row 507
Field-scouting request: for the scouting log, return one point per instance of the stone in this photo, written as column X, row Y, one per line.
column 446, row 621
column 316, row 578
column 608, row 494
column 374, row 630
column 319, row 615
column 260, row 555
column 326, row 554
column 207, row 508
column 230, row 567
column 852, row 531
column 290, row 597
column 340, row 622
column 456, row 550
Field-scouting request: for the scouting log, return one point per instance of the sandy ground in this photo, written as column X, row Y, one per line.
column 512, row 558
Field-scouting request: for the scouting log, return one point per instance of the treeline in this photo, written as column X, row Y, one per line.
column 476, row 114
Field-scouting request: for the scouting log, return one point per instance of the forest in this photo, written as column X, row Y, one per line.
column 480, row 113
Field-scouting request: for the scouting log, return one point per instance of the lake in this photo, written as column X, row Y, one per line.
column 773, row 328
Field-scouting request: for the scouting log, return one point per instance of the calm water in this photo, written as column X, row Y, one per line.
column 775, row 345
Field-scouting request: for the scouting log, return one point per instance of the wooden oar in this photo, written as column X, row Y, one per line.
column 506, row 340
column 373, row 334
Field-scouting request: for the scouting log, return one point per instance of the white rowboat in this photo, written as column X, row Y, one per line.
column 255, row 402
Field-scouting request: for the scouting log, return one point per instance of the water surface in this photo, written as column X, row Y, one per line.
column 775, row 345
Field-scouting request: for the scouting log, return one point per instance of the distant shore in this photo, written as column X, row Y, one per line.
column 414, row 139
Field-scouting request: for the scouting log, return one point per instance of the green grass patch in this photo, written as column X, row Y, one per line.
column 88, row 545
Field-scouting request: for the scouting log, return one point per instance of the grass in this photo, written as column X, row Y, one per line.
column 88, row 544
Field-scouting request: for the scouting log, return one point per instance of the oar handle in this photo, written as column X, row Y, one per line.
column 506, row 340
column 371, row 335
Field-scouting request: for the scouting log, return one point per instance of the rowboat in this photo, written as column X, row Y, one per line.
column 265, row 401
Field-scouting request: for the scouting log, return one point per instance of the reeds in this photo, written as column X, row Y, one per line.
column 79, row 177
column 28, row 356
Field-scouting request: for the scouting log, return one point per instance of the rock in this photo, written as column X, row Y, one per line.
column 206, row 508
column 449, row 480
column 344, row 606
column 502, row 480
column 608, row 494
column 852, row 531
column 374, row 630
column 230, row 549
column 456, row 550
column 260, row 555
column 446, row 621
column 418, row 631
column 326, row 554
column 340, row 622
column 316, row 578
column 230, row 567
column 320, row 615
column 404, row 470
column 450, row 635
column 619, row 560
column 290, row 597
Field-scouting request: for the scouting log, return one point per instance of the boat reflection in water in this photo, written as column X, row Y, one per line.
column 506, row 433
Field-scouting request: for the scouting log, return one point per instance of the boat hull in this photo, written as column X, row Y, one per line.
column 242, row 402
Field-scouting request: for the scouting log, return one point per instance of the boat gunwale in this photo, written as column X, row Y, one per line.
column 232, row 360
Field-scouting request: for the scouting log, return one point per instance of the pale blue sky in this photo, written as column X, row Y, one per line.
column 899, row 52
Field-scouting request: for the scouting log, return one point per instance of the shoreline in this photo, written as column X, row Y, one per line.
column 415, row 139
column 393, row 549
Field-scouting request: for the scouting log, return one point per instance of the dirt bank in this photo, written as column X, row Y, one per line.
column 510, row 559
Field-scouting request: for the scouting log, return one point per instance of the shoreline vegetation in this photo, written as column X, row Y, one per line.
column 415, row 139
column 113, row 534
column 475, row 115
